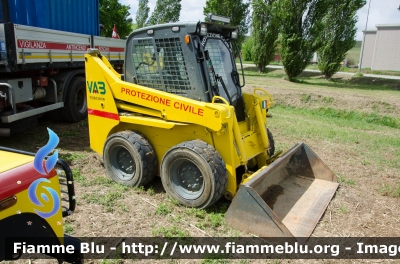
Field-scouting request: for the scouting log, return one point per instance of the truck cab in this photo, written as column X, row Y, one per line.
column 42, row 71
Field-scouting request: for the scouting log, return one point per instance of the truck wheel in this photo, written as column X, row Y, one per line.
column 194, row 174
column 129, row 159
column 271, row 146
column 75, row 105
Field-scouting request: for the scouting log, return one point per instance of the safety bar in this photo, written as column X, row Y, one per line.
column 267, row 93
column 70, row 187
column 225, row 102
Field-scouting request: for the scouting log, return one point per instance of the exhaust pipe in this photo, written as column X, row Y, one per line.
column 286, row 198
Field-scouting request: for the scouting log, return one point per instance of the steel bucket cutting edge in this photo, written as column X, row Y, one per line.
column 286, row 198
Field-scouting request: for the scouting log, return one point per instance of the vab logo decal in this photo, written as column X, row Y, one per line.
column 35, row 200
column 45, row 169
column 96, row 87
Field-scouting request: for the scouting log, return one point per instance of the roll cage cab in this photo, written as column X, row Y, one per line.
column 195, row 60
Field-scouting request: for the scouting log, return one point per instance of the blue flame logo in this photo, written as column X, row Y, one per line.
column 51, row 196
column 34, row 198
column 44, row 151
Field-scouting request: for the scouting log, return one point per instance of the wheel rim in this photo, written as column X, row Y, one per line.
column 122, row 163
column 81, row 101
column 186, row 178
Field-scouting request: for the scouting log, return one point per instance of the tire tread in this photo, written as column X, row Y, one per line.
column 146, row 152
column 68, row 113
column 271, row 146
column 216, row 163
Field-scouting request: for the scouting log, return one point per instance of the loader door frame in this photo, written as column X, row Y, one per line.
column 219, row 60
column 175, row 69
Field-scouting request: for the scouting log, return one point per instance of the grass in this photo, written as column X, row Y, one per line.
column 112, row 261
column 214, row 258
column 341, row 128
column 354, row 53
column 212, row 217
column 390, row 190
column 354, row 116
column 353, row 84
column 108, row 200
column 374, row 133
column 70, row 157
column 344, row 181
column 68, row 229
column 272, row 73
column 369, row 71
column 176, row 219
column 150, row 191
column 173, row 231
column 78, row 177
column 211, row 220
column 343, row 210
column 99, row 180
column 385, row 105
column 310, row 78
column 163, row 209
column 305, row 98
column 358, row 74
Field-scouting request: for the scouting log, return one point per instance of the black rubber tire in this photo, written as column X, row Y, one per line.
column 75, row 105
column 271, row 145
column 136, row 148
column 208, row 162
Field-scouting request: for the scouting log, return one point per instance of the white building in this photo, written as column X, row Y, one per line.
column 382, row 48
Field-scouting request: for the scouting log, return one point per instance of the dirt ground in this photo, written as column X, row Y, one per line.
column 359, row 209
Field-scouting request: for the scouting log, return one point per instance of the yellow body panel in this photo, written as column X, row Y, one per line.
column 24, row 205
column 11, row 160
column 166, row 119
column 172, row 107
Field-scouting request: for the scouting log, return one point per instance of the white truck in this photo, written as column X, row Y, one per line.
column 42, row 71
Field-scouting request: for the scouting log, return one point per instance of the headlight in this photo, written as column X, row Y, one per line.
column 203, row 29
column 234, row 34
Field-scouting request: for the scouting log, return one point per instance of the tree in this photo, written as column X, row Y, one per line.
column 236, row 10
column 165, row 11
column 301, row 24
column 113, row 13
column 247, row 49
column 338, row 35
column 142, row 14
column 265, row 32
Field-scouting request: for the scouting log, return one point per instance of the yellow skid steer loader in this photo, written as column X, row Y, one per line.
column 179, row 112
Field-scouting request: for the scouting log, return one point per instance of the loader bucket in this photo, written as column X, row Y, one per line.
column 286, row 198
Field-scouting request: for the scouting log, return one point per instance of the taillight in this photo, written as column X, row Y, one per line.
column 8, row 202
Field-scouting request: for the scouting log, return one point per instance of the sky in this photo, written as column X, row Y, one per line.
column 381, row 12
